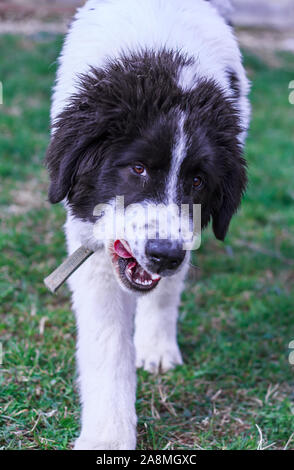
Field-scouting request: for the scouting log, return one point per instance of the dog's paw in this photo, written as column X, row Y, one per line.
column 88, row 444
column 156, row 358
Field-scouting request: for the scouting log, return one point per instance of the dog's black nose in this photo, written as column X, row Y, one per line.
column 164, row 255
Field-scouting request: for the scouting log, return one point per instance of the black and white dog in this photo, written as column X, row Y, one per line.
column 150, row 104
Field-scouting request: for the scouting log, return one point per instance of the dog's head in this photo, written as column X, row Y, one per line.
column 132, row 131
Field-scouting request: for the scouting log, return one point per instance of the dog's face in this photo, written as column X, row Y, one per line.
column 132, row 131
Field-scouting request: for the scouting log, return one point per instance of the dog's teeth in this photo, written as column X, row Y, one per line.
column 138, row 275
column 143, row 282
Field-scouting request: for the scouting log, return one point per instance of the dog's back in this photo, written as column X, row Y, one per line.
column 102, row 30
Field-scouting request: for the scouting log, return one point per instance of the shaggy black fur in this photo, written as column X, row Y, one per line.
column 234, row 83
column 128, row 113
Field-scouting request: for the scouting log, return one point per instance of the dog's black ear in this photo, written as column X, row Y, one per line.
column 75, row 143
column 61, row 161
column 229, row 198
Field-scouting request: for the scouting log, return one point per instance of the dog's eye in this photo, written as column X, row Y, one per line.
column 197, row 182
column 139, row 170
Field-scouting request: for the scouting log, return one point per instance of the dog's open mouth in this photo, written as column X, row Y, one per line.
column 129, row 270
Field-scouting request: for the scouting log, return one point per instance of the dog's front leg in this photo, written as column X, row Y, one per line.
column 156, row 326
column 105, row 356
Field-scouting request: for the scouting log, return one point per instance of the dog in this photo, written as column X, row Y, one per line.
column 150, row 104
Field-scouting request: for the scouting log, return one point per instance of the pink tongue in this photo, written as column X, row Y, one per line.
column 121, row 250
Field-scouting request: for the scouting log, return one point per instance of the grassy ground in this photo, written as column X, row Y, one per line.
column 236, row 314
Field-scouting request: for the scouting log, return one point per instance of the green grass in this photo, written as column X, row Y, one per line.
column 236, row 313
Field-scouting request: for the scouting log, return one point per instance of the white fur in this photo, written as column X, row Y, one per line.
column 192, row 26
column 178, row 155
column 104, row 311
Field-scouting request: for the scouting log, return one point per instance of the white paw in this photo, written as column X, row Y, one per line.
column 159, row 357
column 88, row 444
